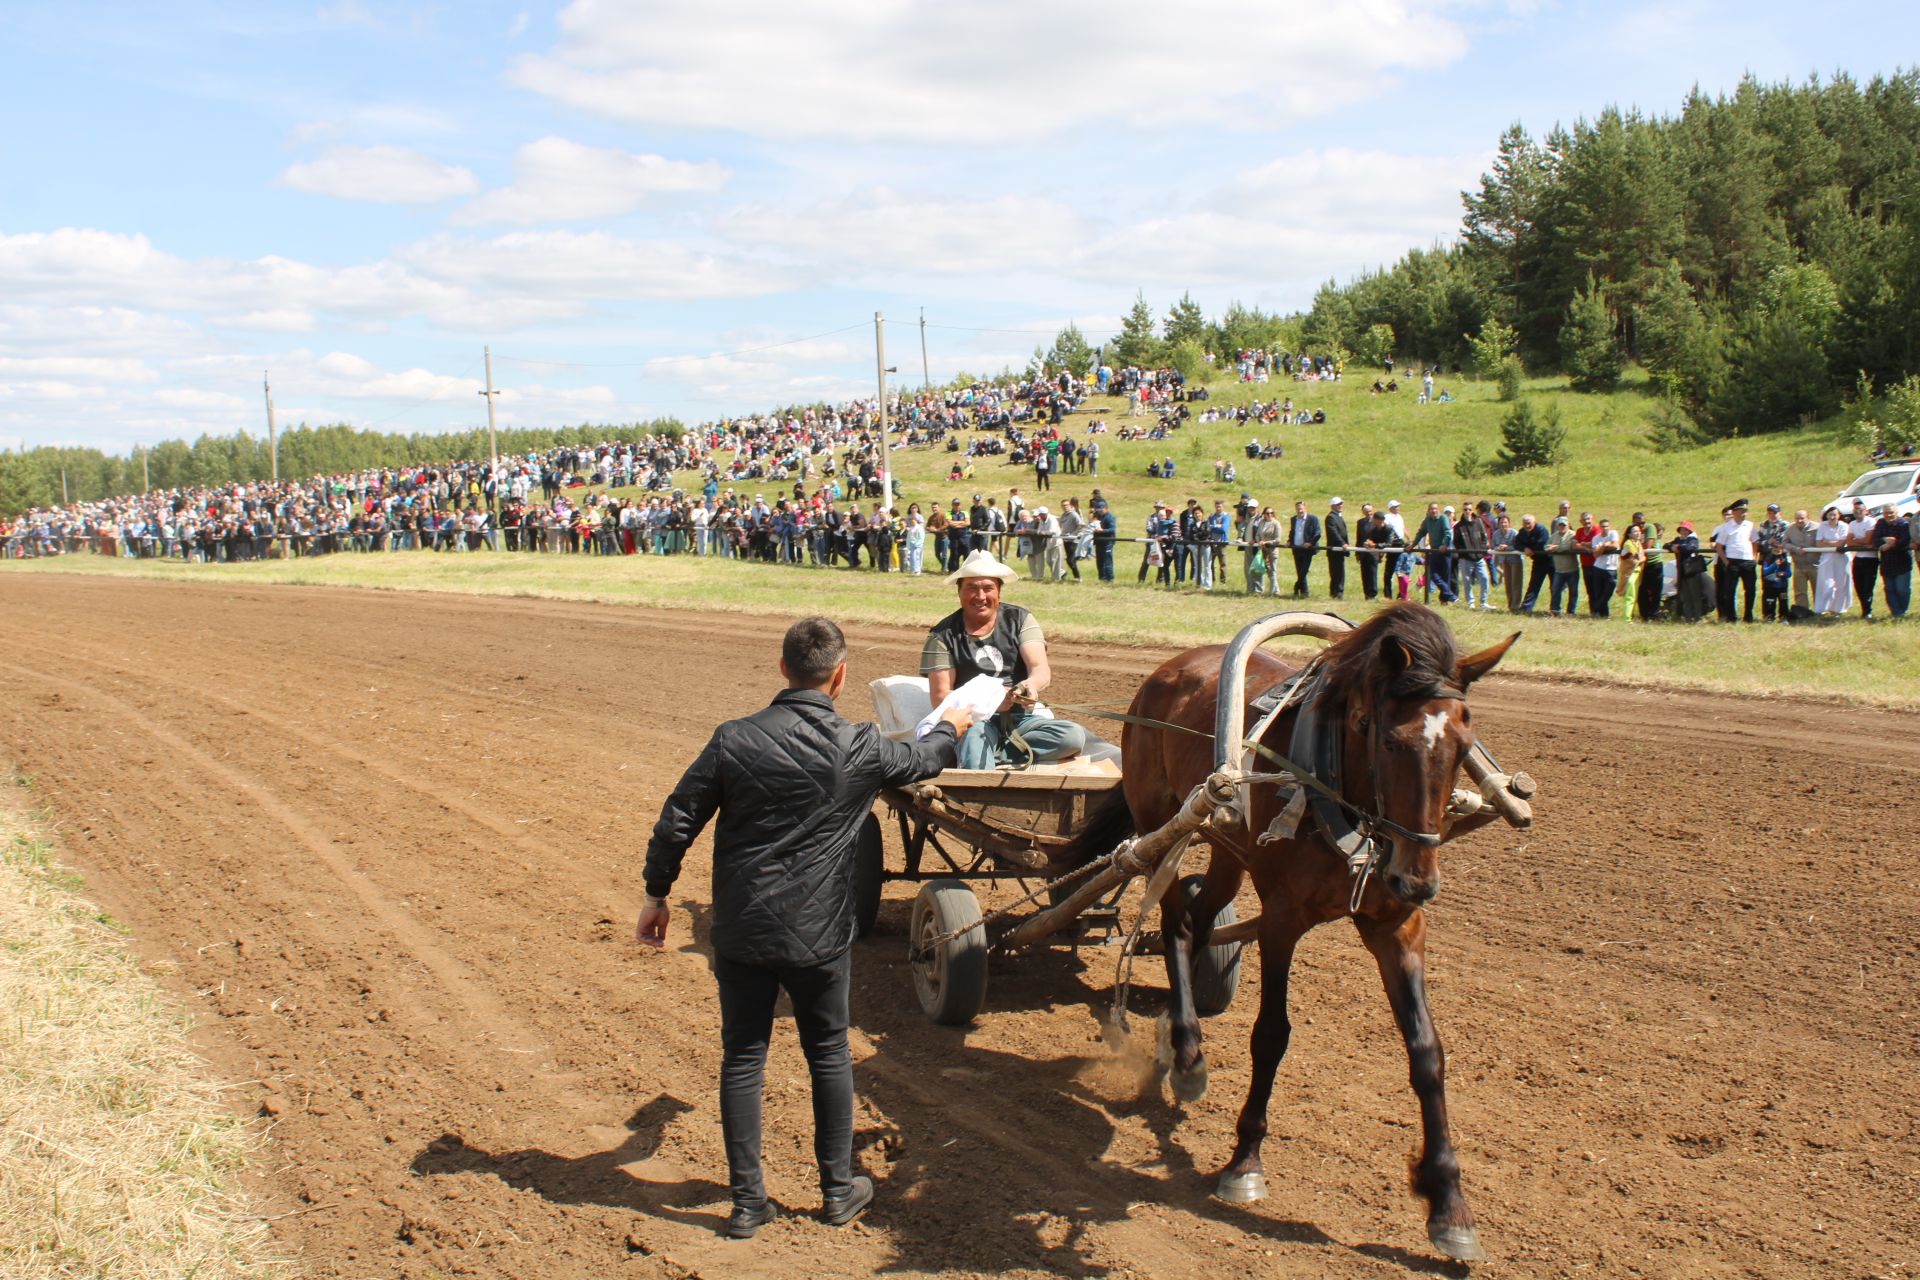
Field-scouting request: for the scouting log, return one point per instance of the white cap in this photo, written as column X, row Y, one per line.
column 1393, row 503
column 1333, row 502
column 1039, row 511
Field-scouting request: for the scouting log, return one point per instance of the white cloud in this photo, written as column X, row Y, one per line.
column 101, row 368
column 920, row 71
column 555, row 180
column 101, row 279
column 384, row 175
column 1290, row 222
column 880, row 233
column 565, row 268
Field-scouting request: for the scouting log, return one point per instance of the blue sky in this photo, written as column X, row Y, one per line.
column 632, row 201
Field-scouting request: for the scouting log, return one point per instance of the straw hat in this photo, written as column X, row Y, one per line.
column 980, row 564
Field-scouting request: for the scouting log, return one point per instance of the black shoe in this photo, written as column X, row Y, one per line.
column 744, row 1221
column 838, row 1211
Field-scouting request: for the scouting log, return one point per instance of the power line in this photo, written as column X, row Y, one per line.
column 1040, row 333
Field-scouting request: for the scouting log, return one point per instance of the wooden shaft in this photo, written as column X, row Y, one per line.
column 1145, row 855
column 1500, row 790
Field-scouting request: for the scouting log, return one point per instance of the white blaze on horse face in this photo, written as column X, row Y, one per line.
column 1435, row 724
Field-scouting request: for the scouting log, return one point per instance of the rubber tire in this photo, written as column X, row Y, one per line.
column 869, row 872
column 952, row 982
column 1216, row 971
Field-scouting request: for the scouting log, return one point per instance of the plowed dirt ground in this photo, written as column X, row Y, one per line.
column 390, row 844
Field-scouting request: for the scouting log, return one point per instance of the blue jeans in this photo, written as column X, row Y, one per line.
column 1568, row 582
column 1898, row 587
column 1475, row 573
column 989, row 743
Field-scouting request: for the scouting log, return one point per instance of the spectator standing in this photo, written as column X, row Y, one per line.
column 1263, row 541
column 1303, row 536
column 1511, row 568
column 1072, row 525
column 1800, row 535
column 1106, row 529
column 1470, row 546
column 1864, row 552
column 1832, row 589
column 1566, row 567
column 1734, row 546
column 1693, row 598
column 1603, row 575
column 1893, row 538
column 1338, row 539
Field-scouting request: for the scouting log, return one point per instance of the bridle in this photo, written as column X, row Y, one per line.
column 1351, row 829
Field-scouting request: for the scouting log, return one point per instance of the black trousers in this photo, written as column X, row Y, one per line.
column 1302, row 561
column 1737, row 575
column 1865, row 573
column 1336, row 574
column 1369, row 575
column 819, row 996
column 1541, row 576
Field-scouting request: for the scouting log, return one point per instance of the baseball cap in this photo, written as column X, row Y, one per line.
column 1773, row 506
column 1393, row 504
column 1333, row 502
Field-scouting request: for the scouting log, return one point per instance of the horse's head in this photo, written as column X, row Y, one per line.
column 1408, row 729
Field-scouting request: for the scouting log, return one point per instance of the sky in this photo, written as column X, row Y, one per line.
column 694, row 208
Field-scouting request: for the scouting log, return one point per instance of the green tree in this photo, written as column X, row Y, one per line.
column 1137, row 343
column 1070, row 351
column 1185, row 322
column 1529, row 439
column 1588, row 347
column 1374, row 346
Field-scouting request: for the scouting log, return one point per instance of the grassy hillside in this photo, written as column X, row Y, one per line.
column 1373, row 448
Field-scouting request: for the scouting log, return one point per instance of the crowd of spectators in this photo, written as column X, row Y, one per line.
column 803, row 487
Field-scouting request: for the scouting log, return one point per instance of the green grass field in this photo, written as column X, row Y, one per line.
column 1372, row 447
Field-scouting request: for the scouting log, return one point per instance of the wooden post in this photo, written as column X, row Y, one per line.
column 880, row 375
column 493, row 448
column 273, row 437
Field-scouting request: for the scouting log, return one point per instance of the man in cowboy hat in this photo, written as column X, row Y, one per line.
column 986, row 637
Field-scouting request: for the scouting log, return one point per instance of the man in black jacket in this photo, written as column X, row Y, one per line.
column 792, row 784
column 1303, row 535
column 1335, row 526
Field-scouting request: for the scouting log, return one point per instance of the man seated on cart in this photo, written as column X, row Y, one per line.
column 987, row 637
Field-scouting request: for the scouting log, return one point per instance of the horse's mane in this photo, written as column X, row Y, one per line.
column 1357, row 662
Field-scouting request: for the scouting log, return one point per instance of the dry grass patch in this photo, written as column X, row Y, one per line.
column 117, row 1158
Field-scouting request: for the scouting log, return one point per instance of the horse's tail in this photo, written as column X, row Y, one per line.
column 1109, row 824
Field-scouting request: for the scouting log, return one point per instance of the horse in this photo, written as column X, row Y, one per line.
column 1394, row 692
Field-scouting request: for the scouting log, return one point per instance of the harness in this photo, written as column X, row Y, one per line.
column 1347, row 828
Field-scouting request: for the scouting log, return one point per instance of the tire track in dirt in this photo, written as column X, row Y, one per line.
column 1640, row 1018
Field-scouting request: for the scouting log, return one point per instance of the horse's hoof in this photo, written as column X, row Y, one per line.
column 1462, row 1244
column 1190, row 1085
column 1241, row 1188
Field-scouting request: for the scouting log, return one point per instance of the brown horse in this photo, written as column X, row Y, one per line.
column 1394, row 692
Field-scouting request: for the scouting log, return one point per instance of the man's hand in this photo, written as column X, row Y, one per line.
column 651, row 930
column 961, row 718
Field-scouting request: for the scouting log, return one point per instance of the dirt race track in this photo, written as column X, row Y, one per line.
column 390, row 846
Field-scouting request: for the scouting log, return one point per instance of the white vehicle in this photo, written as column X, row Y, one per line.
column 1895, row 482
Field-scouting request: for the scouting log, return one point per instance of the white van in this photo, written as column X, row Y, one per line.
column 1895, row 482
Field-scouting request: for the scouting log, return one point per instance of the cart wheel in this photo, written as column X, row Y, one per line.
column 952, row 981
column 1216, row 971
column 869, row 870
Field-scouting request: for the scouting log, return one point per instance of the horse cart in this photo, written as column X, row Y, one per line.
column 967, row 828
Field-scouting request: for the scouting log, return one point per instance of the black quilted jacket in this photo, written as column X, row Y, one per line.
column 791, row 784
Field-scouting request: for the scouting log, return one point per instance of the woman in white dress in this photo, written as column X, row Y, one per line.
column 1833, row 584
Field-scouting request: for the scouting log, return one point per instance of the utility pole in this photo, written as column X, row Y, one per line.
column 146, row 486
column 493, row 450
column 65, row 501
column 926, row 379
column 880, row 374
column 273, row 438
